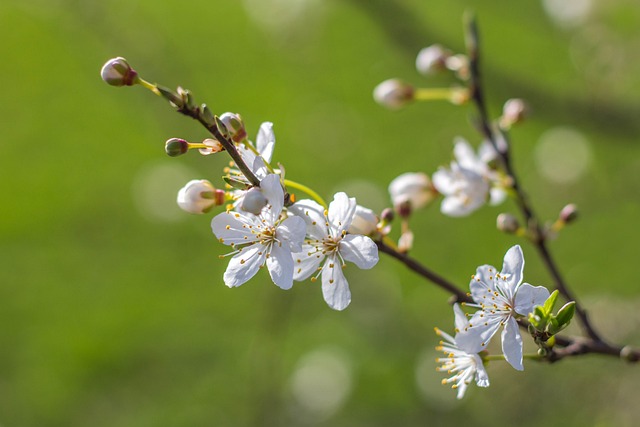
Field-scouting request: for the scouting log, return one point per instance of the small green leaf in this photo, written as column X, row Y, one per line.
column 551, row 302
column 565, row 314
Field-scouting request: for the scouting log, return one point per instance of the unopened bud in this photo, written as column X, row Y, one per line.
column 569, row 213
column 213, row 146
column 199, row 196
column 206, row 115
column 393, row 94
column 432, row 59
column 387, row 215
column 118, row 72
column 507, row 223
column 175, row 147
column 187, row 98
column 364, row 222
column 513, row 111
column 253, row 201
column 221, row 127
column 234, row 124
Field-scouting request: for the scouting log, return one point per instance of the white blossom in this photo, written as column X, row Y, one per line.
column 464, row 366
column 261, row 239
column 469, row 182
column 328, row 246
column 413, row 188
column 501, row 298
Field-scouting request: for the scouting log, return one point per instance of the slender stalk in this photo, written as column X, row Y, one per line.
column 315, row 196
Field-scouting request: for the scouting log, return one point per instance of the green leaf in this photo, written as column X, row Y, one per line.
column 565, row 314
column 551, row 302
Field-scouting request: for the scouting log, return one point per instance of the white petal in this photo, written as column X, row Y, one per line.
column 528, row 297
column 266, row 141
column 482, row 283
column 306, row 262
column 512, row 269
column 292, row 232
column 280, row 265
column 497, row 195
column 335, row 287
column 360, row 250
column 512, row 344
column 233, row 227
column 341, row 212
column 244, row 265
column 466, row 156
column 476, row 337
column 460, row 319
column 482, row 378
column 443, row 180
column 272, row 190
column 455, row 207
column 259, row 168
column 313, row 215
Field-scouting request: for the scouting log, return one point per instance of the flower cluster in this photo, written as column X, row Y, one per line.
column 294, row 241
column 501, row 298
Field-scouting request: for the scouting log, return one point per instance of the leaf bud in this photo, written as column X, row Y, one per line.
column 432, row 59
column 393, row 94
column 507, row 223
column 234, row 124
column 171, row 96
column 175, row 147
column 199, row 196
column 118, row 72
column 206, row 115
column 187, row 98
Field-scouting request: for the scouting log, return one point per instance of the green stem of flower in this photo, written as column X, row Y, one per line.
column 315, row 196
column 432, row 94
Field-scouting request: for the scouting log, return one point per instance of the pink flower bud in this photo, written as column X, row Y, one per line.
column 176, row 147
column 507, row 223
column 569, row 213
column 432, row 59
column 118, row 72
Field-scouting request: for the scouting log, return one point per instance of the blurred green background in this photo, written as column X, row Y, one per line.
column 112, row 305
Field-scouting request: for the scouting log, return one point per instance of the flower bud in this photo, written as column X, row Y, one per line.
column 513, row 111
column 507, row 223
column 187, row 98
column 387, row 215
column 175, row 147
column 459, row 64
column 364, row 222
column 432, row 59
column 393, row 93
column 213, row 146
column 234, row 124
column 569, row 213
column 118, row 72
column 411, row 190
column 253, row 201
column 199, row 196
column 206, row 115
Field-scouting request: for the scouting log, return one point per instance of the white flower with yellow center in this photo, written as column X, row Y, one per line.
column 501, row 297
column 328, row 246
column 464, row 366
column 261, row 239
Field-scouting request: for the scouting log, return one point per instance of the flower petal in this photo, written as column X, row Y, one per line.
column 272, row 189
column 476, row 336
column 280, row 265
column 360, row 250
column 244, row 265
column 482, row 378
column 482, row 283
column 335, row 288
column 266, row 141
column 291, row 232
column 512, row 344
column 306, row 262
column 233, row 228
column 528, row 297
column 461, row 321
column 313, row 215
column 341, row 212
column 512, row 269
